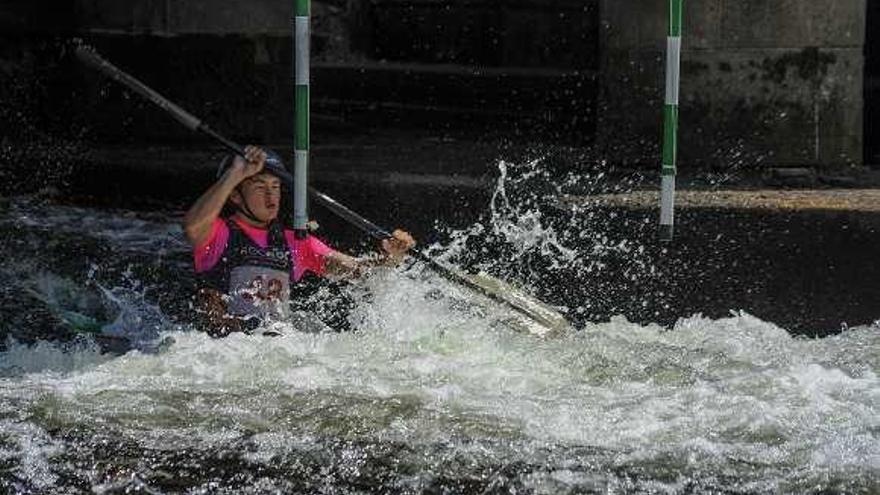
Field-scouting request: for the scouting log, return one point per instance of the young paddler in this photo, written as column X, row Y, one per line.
column 246, row 262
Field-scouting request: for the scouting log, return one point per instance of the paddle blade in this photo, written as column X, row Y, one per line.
column 533, row 316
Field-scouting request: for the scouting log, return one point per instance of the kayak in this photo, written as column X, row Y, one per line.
column 117, row 334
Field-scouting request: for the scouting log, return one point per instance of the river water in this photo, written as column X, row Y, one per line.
column 428, row 389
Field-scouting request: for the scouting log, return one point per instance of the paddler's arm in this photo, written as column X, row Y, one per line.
column 198, row 220
column 394, row 249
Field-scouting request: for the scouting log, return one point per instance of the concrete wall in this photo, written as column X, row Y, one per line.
column 255, row 19
column 872, row 85
column 518, row 69
column 767, row 82
column 521, row 33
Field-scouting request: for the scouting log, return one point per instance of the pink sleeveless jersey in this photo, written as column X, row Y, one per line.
column 308, row 254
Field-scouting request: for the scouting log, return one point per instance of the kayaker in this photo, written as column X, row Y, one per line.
column 246, row 261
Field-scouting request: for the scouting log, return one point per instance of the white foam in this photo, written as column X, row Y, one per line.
column 428, row 364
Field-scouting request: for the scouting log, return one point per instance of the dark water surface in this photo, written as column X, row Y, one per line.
column 693, row 366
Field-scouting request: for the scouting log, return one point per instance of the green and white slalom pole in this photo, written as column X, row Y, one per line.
column 670, row 121
column 301, row 37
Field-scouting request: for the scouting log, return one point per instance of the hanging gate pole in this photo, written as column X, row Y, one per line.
column 301, row 116
column 670, row 121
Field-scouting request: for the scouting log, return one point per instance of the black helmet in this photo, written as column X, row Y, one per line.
column 273, row 165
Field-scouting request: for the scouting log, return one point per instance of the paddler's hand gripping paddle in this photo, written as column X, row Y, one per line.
column 546, row 317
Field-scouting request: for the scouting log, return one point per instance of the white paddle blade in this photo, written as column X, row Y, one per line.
column 534, row 316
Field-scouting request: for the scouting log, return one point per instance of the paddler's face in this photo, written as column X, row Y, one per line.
column 262, row 194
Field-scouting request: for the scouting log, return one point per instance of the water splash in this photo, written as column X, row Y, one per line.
column 432, row 391
column 734, row 403
column 528, row 238
column 90, row 310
